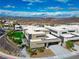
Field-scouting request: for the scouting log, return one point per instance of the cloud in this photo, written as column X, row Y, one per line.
column 69, row 4
column 55, row 8
column 42, row 10
column 9, row 6
column 73, row 8
column 32, row 1
column 28, row 7
column 62, row 0
column 18, row 13
column 34, row 14
column 60, row 8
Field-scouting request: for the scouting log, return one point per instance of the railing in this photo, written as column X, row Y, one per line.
column 72, row 38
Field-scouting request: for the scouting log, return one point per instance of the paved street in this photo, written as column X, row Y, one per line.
column 24, row 53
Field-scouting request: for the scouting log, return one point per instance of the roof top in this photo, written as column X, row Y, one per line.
column 67, row 35
column 34, row 32
column 49, row 36
column 55, row 28
column 63, row 27
column 33, row 27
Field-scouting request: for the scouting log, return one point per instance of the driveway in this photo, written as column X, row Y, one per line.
column 60, row 51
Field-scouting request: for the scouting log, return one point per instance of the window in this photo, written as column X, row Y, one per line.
column 41, row 36
column 30, row 36
column 71, row 31
column 37, row 30
column 64, row 32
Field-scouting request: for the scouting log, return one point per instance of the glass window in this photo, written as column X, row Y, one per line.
column 41, row 36
column 64, row 32
column 30, row 36
column 71, row 31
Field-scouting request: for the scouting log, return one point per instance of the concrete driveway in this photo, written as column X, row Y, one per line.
column 60, row 51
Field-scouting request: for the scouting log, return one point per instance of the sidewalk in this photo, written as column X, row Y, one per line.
column 8, row 56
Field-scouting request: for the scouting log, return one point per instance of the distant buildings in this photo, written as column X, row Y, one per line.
column 7, row 24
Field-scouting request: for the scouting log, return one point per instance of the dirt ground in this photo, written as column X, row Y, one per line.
column 77, row 42
column 46, row 53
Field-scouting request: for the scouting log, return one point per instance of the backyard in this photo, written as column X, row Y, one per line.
column 16, row 36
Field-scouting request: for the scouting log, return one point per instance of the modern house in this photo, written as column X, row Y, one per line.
column 17, row 27
column 8, row 25
column 57, row 31
column 39, row 36
column 65, row 32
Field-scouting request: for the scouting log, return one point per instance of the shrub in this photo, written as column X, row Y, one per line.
column 41, row 49
column 69, row 44
column 16, row 36
column 32, row 51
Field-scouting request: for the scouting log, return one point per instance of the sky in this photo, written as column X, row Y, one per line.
column 28, row 8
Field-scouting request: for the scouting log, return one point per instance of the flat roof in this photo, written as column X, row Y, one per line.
column 34, row 32
column 68, row 27
column 72, row 27
column 67, row 35
column 63, row 27
column 49, row 36
column 35, row 40
column 41, row 28
column 33, row 27
column 28, row 27
column 55, row 28
column 75, row 33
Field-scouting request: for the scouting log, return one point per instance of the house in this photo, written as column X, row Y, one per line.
column 8, row 25
column 17, row 27
column 56, row 30
column 39, row 36
column 65, row 32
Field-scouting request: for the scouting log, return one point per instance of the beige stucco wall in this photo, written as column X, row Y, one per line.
column 34, row 36
column 36, row 45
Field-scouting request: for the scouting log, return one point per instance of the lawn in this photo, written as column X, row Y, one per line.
column 16, row 36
